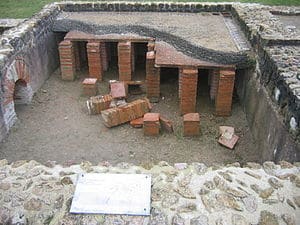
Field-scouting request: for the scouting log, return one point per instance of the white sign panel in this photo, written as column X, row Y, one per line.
column 112, row 194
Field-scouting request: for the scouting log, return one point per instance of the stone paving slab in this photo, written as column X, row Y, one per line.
column 32, row 193
column 201, row 29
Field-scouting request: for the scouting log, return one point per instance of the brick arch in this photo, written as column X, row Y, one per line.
column 22, row 70
column 17, row 71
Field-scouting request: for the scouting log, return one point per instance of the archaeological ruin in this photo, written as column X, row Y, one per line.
column 78, row 78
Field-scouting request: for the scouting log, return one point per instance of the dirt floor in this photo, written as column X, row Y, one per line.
column 56, row 126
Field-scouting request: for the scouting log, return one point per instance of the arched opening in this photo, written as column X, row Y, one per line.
column 22, row 92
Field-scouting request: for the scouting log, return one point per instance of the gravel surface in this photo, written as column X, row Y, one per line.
column 56, row 126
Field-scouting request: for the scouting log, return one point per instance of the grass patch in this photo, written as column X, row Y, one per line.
column 26, row 8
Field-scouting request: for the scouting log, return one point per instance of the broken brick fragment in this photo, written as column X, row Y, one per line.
column 123, row 114
column 137, row 123
column 166, row 124
column 98, row 103
column 118, row 89
column 229, row 143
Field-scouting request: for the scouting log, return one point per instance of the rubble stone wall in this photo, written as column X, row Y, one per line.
column 32, row 193
column 34, row 44
column 271, row 92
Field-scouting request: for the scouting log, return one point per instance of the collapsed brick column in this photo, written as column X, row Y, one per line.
column 104, row 56
column 125, row 61
column 67, row 60
column 188, row 79
column 223, row 100
column 152, row 78
column 94, row 60
column 214, row 84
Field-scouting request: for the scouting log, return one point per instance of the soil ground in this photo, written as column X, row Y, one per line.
column 56, row 126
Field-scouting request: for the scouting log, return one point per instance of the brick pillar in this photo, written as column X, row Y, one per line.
column 179, row 82
column 188, row 79
column 94, row 60
column 223, row 100
column 104, row 56
column 125, row 61
column 67, row 60
column 152, row 78
column 132, row 57
column 76, row 46
column 214, row 84
column 151, row 46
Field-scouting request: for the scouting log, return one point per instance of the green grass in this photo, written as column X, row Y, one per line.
column 26, row 8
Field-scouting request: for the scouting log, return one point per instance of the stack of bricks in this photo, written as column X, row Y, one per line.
column 104, row 55
column 125, row 61
column 188, row 79
column 223, row 100
column 191, row 124
column 152, row 78
column 214, row 84
column 89, row 86
column 67, row 60
column 123, row 114
column 94, row 60
column 151, row 124
column 98, row 103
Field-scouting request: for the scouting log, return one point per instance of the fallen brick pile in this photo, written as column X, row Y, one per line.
column 119, row 115
column 98, row 103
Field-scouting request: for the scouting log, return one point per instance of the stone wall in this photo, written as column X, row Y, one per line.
column 28, row 52
column 275, row 117
column 183, row 194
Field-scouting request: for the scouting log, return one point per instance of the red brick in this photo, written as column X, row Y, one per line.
column 188, row 89
column 229, row 143
column 89, row 86
column 118, row 90
column 116, row 116
column 151, row 124
column 151, row 117
column 191, row 124
column 137, row 123
column 67, row 60
column 152, row 78
column 166, row 124
column 223, row 100
column 95, row 60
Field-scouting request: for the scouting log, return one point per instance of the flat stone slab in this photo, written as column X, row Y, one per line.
column 168, row 56
column 201, row 29
column 127, row 194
